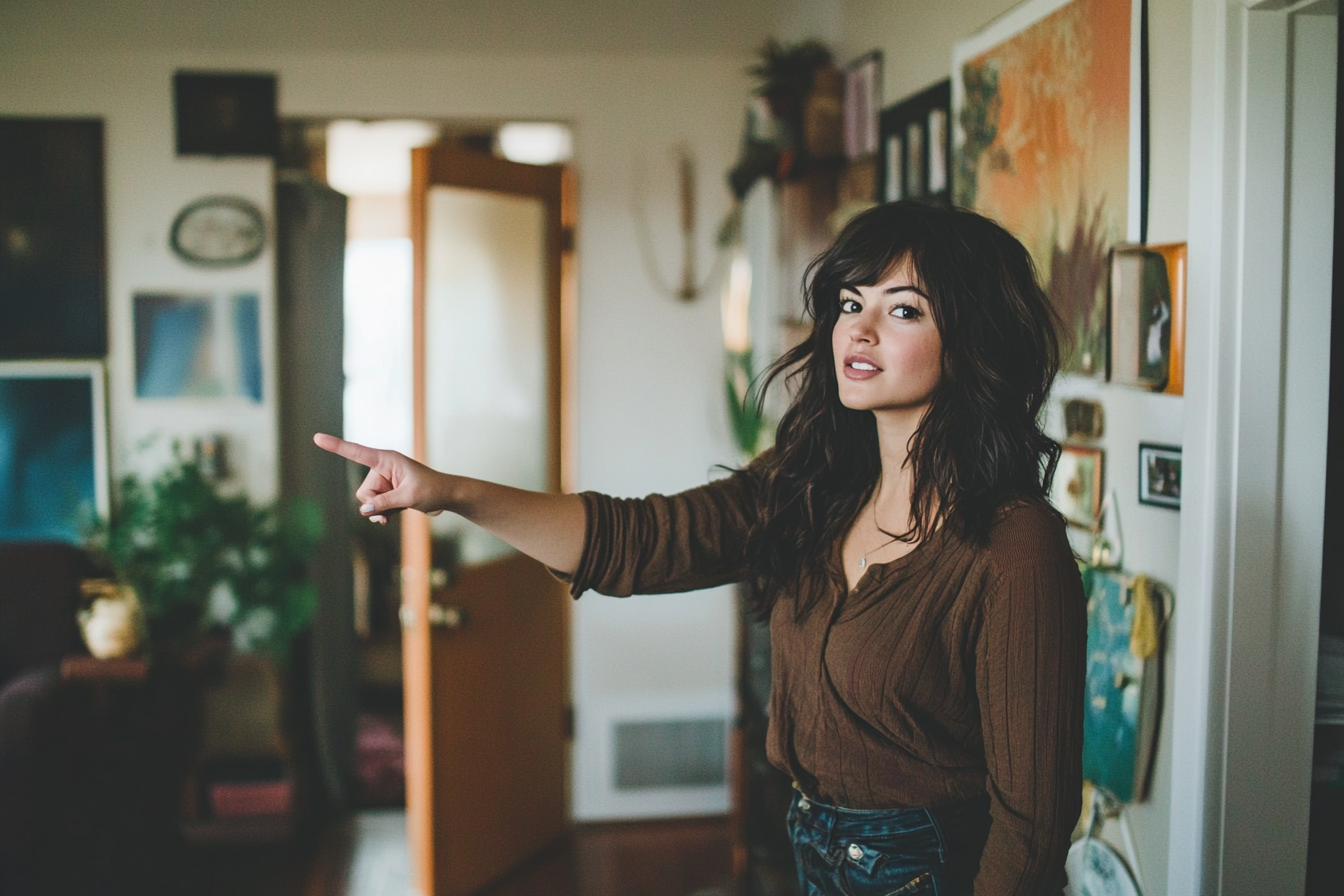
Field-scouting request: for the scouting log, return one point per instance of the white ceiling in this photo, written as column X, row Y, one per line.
column 551, row 26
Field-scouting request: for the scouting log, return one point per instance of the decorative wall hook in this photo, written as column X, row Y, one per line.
column 690, row 287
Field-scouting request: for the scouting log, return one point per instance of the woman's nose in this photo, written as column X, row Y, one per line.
column 861, row 330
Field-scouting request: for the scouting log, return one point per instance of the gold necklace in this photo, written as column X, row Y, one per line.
column 863, row 558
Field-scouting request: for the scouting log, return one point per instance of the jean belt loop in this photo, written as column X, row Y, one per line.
column 944, row 846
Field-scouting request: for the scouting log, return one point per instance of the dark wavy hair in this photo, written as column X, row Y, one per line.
column 979, row 445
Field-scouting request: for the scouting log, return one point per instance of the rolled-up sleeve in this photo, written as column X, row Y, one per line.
column 1030, row 660
column 666, row 543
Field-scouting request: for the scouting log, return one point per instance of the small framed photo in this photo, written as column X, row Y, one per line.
column 1160, row 475
column 1077, row 486
column 1147, row 317
column 863, row 99
column 225, row 114
column 1084, row 419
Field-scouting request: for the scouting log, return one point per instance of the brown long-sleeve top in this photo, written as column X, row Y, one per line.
column 954, row 671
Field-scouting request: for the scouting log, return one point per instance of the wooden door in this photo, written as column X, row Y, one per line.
column 486, row 635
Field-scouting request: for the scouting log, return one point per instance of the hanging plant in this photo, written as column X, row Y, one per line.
column 774, row 139
column 784, row 76
column 201, row 560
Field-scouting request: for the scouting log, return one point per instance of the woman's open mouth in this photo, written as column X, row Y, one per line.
column 857, row 367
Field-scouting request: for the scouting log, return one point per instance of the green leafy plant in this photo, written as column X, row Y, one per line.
column 784, row 72
column 742, row 391
column 200, row 559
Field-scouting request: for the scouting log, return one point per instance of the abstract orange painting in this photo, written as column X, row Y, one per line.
column 1048, row 142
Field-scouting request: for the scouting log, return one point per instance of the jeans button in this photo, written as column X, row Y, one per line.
column 855, row 851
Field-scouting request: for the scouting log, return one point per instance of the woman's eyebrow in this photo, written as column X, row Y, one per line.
column 906, row 288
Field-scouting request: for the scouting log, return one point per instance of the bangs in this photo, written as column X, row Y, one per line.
column 868, row 250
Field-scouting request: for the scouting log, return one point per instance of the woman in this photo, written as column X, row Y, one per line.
column 926, row 615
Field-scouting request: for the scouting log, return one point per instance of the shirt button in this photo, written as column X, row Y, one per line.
column 855, row 851
column 804, row 805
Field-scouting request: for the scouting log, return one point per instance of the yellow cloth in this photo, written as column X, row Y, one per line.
column 1143, row 630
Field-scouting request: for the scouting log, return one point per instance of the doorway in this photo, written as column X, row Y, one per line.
column 384, row 335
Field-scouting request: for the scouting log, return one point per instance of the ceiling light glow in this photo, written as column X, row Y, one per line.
column 535, row 142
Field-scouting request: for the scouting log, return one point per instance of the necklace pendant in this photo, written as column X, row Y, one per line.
column 863, row 562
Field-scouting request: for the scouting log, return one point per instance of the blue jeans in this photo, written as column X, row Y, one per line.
column 887, row 852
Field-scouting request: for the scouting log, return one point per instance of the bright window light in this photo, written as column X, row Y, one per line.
column 374, row 158
column 535, row 142
column 378, row 408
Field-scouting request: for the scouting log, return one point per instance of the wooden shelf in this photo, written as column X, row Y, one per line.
column 88, row 668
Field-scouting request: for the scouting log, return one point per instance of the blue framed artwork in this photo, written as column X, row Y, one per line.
column 1125, row 617
column 53, row 449
column 197, row 346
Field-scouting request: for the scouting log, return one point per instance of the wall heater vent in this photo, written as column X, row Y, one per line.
column 670, row 753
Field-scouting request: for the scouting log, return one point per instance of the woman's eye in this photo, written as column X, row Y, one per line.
column 906, row 312
column 849, row 306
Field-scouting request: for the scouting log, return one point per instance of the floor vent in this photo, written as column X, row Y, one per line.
column 670, row 753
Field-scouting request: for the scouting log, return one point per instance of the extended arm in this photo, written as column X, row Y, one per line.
column 546, row 527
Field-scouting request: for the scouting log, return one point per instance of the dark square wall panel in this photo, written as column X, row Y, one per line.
column 52, row 239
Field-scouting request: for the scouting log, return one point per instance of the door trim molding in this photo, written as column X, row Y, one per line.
column 1241, row 731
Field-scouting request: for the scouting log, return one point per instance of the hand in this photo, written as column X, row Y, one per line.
column 395, row 482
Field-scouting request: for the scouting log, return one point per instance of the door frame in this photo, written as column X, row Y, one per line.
column 555, row 186
column 1246, row 629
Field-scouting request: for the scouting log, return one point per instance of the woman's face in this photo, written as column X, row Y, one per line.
column 888, row 352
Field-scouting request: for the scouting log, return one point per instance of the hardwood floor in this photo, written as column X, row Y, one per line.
column 664, row 858
column 364, row 854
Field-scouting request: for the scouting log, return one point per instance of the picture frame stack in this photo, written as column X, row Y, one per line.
column 53, row 328
column 915, row 147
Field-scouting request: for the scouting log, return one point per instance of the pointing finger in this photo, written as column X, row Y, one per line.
column 360, row 454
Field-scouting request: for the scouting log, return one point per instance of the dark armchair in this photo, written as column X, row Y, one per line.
column 89, row 770
column 39, row 593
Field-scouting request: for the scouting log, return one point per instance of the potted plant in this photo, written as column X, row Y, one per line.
column 203, row 561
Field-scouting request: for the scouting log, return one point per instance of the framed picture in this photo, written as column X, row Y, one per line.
column 197, row 346
column 1084, row 418
column 1077, row 488
column 1021, row 90
column 1124, row 690
column 53, row 449
column 863, row 99
column 53, row 256
column 1160, row 475
column 916, row 146
column 1147, row 317
column 225, row 114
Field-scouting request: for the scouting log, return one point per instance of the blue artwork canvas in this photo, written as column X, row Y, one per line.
column 197, row 346
column 1120, row 715
column 48, row 458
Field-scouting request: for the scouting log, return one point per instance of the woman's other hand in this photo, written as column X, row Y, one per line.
column 395, row 482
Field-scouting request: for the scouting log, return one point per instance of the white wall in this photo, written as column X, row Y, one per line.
column 648, row 392
column 916, row 39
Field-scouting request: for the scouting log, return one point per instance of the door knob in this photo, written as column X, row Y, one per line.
column 440, row 616
column 447, row 616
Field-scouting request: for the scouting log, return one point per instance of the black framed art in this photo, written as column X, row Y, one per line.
column 53, row 256
column 915, row 147
column 225, row 114
column 1160, row 475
